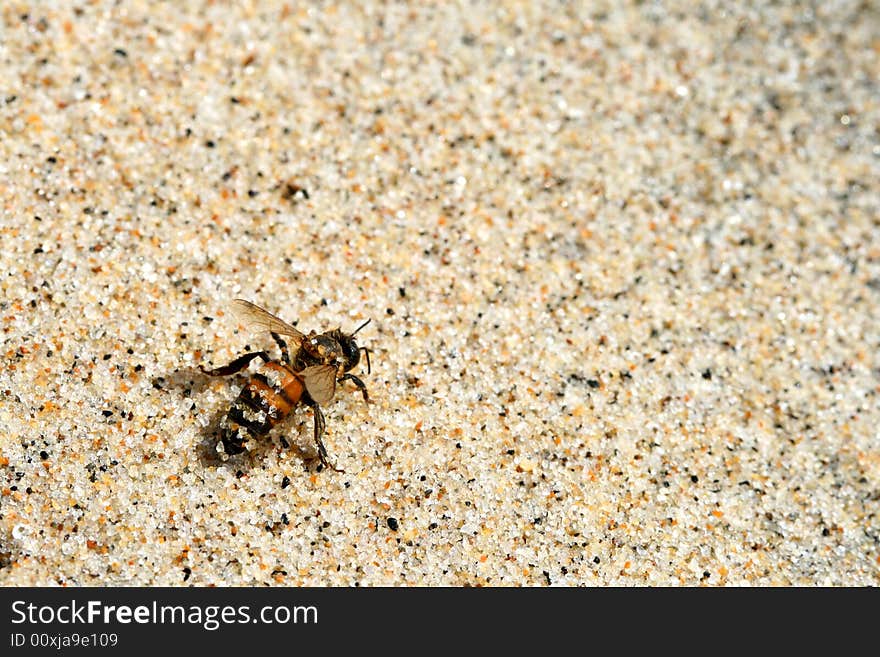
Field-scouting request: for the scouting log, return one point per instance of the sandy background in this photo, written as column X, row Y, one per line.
column 622, row 265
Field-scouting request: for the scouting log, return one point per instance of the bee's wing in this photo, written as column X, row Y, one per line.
column 253, row 314
column 320, row 382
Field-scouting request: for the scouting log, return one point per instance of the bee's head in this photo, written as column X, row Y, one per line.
column 351, row 353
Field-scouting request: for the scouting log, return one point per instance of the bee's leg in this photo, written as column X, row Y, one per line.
column 282, row 345
column 360, row 384
column 238, row 364
column 319, row 431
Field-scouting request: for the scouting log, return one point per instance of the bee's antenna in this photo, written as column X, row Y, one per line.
column 361, row 326
column 367, row 352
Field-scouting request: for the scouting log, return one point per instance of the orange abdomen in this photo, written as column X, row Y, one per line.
column 261, row 404
column 290, row 387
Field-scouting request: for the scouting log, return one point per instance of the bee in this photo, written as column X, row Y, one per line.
column 307, row 373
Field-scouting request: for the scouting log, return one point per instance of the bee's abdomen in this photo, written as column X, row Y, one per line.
column 260, row 406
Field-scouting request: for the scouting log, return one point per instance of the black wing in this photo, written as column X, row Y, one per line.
column 320, row 382
column 253, row 314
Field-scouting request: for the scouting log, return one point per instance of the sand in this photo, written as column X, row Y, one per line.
column 622, row 263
